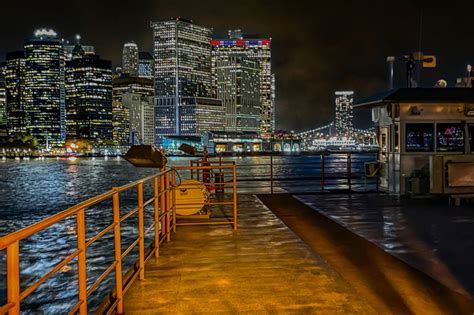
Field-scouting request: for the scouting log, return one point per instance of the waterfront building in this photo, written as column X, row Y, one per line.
column 130, row 59
column 14, row 83
column 145, row 65
column 43, row 88
column 344, row 113
column 238, row 86
column 3, row 102
column 233, row 141
column 258, row 49
column 120, row 113
column 88, row 97
column 182, row 55
column 141, row 117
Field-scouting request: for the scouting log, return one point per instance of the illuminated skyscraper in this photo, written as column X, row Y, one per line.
column 238, row 86
column 44, row 93
column 344, row 100
column 260, row 51
column 130, row 59
column 120, row 112
column 201, row 115
column 142, row 118
column 3, row 102
column 68, row 50
column 145, row 65
column 14, row 81
column 182, row 54
column 88, row 97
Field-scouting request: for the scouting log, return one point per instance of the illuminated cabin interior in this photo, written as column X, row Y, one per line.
column 426, row 138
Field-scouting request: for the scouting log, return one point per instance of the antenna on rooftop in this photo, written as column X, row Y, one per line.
column 390, row 61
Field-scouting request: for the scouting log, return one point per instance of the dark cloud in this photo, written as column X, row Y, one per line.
column 318, row 46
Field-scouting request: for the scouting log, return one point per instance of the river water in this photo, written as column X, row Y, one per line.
column 35, row 189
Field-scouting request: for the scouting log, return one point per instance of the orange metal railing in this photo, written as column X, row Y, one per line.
column 163, row 211
column 164, row 221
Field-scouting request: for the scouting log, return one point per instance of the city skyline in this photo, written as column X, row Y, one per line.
column 310, row 62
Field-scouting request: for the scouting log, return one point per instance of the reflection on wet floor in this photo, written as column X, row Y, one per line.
column 263, row 268
column 428, row 234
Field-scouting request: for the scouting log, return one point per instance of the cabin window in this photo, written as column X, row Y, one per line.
column 419, row 138
column 449, row 137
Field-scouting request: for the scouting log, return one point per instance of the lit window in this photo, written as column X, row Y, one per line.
column 419, row 138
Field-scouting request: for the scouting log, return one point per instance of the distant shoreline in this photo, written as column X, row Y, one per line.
column 227, row 154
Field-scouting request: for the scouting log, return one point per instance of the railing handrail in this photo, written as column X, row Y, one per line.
column 34, row 228
column 164, row 221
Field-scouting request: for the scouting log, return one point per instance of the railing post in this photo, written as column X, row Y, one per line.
column 168, row 206
column 156, row 216
column 13, row 277
column 162, row 201
column 118, row 252
column 234, row 171
column 323, row 181
column 81, row 260
column 198, row 171
column 192, row 171
column 349, row 170
column 141, row 232
column 271, row 174
column 173, row 197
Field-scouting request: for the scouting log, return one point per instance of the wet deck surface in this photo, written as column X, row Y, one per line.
column 428, row 234
column 390, row 285
column 263, row 268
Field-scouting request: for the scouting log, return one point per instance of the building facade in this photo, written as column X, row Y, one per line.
column 3, row 103
column 14, row 83
column 141, row 116
column 182, row 55
column 238, row 86
column 130, row 59
column 260, row 51
column 201, row 115
column 344, row 113
column 69, row 49
column 145, row 65
column 43, row 88
column 120, row 113
column 88, row 97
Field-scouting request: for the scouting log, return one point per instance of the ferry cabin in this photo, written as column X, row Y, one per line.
column 426, row 139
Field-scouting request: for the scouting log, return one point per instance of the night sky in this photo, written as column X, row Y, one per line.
column 318, row 46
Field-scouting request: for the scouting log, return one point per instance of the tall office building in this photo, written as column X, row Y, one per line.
column 88, row 97
column 259, row 50
column 200, row 115
column 69, row 49
column 145, row 65
column 44, row 99
column 14, row 82
column 120, row 112
column 141, row 116
column 343, row 123
column 238, row 86
column 130, row 59
column 3, row 102
column 182, row 54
